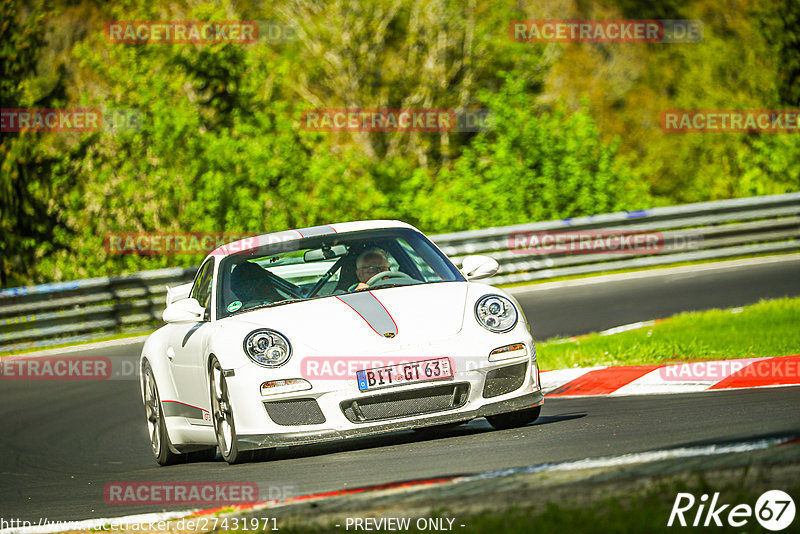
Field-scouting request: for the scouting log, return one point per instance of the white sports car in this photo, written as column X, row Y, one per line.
column 329, row 333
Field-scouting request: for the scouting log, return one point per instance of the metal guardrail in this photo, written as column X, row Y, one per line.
column 691, row 232
column 66, row 312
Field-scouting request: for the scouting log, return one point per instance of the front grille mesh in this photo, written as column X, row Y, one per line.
column 406, row 403
column 504, row 380
column 295, row 412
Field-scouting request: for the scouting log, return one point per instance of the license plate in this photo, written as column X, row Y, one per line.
column 404, row 373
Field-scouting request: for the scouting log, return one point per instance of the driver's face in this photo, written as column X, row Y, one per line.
column 370, row 266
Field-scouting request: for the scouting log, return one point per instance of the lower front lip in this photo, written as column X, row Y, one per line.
column 255, row 441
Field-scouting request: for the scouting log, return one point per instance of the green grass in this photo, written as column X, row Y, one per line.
column 769, row 328
column 646, row 511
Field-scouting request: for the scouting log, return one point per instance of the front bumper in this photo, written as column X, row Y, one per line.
column 475, row 395
column 258, row 441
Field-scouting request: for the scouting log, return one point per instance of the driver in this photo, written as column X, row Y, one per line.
column 369, row 263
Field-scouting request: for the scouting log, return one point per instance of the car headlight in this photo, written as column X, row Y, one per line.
column 267, row 348
column 496, row 313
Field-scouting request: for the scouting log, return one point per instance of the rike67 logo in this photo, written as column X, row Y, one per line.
column 774, row 510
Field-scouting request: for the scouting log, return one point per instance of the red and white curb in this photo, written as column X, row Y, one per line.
column 673, row 378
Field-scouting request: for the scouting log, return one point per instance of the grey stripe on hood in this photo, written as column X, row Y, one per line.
column 372, row 311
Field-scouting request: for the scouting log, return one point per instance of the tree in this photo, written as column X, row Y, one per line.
column 27, row 160
column 535, row 164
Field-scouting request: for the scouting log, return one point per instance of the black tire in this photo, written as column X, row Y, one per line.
column 262, row 455
column 156, row 427
column 203, row 455
column 516, row 419
column 222, row 415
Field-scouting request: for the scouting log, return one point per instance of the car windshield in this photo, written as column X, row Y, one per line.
column 329, row 265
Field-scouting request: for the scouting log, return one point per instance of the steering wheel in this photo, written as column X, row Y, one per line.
column 387, row 277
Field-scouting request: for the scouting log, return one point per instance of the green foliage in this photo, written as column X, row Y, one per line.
column 780, row 23
column 747, row 59
column 220, row 147
column 534, row 164
column 29, row 163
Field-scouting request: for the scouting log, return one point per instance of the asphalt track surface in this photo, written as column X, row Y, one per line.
column 61, row 442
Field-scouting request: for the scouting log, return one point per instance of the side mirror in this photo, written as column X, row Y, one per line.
column 176, row 293
column 184, row 311
column 477, row 266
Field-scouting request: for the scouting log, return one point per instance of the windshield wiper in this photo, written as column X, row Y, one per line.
column 382, row 286
column 271, row 304
column 284, row 301
column 267, row 305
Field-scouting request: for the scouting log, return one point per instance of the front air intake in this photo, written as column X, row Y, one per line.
column 295, row 412
column 504, row 380
column 406, row 403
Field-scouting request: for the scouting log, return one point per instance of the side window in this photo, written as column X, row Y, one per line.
column 202, row 285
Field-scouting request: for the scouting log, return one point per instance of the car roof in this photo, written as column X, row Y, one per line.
column 300, row 233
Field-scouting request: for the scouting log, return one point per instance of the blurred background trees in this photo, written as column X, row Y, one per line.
column 220, row 148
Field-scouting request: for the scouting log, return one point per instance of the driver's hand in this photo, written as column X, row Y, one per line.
column 361, row 286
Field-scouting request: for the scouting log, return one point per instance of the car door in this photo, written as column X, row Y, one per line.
column 185, row 352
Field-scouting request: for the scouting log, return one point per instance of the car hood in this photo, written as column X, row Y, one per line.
column 364, row 321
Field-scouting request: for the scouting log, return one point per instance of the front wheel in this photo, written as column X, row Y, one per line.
column 224, row 427
column 516, row 419
column 222, row 415
column 156, row 427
